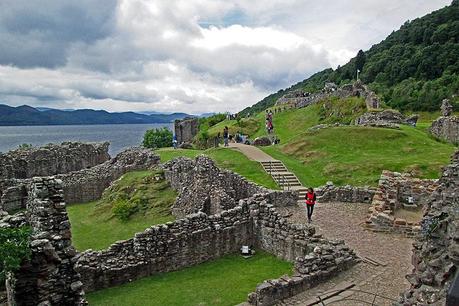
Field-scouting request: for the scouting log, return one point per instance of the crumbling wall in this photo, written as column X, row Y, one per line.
column 446, row 128
column 48, row 278
column 203, row 187
column 436, row 250
column 84, row 185
column 325, row 261
column 393, row 192
column 349, row 194
column 186, row 129
column 52, row 159
column 89, row 184
column 388, row 118
column 167, row 247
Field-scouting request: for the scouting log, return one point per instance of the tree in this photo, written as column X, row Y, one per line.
column 14, row 248
column 157, row 138
column 360, row 60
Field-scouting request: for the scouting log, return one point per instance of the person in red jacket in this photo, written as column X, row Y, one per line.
column 310, row 202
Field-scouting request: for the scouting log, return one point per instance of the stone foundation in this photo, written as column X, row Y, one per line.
column 349, row 194
column 52, row 159
column 393, row 193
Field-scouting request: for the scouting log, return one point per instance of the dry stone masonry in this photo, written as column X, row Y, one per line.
column 447, row 126
column 52, row 159
column 186, row 129
column 83, row 185
column 49, row 278
column 398, row 191
column 349, row 194
column 436, row 251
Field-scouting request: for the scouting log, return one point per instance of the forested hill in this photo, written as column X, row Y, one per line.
column 414, row 68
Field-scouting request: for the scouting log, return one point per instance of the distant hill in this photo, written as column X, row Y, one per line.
column 414, row 68
column 26, row 115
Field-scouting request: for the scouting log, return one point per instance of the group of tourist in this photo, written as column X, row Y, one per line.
column 269, row 121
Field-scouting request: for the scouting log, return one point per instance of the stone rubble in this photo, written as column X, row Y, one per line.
column 387, row 118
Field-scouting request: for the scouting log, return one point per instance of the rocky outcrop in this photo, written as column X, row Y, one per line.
column 48, row 278
column 262, row 141
column 52, row 159
column 447, row 126
column 436, row 251
column 388, row 118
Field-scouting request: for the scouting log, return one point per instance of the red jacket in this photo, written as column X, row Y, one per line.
column 310, row 198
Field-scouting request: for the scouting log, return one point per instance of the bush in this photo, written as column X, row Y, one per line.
column 14, row 248
column 157, row 138
column 124, row 209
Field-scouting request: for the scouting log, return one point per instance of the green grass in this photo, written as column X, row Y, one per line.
column 248, row 126
column 228, row 159
column 96, row 225
column 225, row 281
column 357, row 155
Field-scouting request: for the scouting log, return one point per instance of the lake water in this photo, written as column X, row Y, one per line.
column 120, row 136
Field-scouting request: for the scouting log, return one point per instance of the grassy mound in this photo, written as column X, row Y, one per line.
column 225, row 281
column 357, row 155
column 227, row 159
column 133, row 203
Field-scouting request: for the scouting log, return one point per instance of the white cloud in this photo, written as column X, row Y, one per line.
column 181, row 55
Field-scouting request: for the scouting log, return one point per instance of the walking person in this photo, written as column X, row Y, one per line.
column 310, row 202
column 225, row 136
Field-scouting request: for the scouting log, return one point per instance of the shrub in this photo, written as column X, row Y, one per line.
column 157, row 138
column 14, row 248
column 124, row 209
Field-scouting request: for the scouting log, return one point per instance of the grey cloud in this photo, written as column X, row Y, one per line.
column 39, row 33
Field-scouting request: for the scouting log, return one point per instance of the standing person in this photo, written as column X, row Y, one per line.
column 174, row 141
column 310, row 202
column 225, row 136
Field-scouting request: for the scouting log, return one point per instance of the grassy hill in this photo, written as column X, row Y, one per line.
column 414, row 68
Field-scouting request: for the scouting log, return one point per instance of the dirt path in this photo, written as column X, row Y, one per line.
column 252, row 152
column 342, row 221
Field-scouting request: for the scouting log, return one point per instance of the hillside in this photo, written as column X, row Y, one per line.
column 413, row 69
column 26, row 115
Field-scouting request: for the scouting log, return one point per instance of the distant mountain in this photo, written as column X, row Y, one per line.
column 27, row 115
column 413, row 69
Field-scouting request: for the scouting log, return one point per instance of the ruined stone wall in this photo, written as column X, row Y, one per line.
column 84, row 185
column 203, row 187
column 436, row 250
column 186, row 129
column 387, row 118
column 349, row 194
column 89, row 184
column 446, row 128
column 167, row 247
column 48, row 278
column 52, row 159
column 324, row 262
column 392, row 194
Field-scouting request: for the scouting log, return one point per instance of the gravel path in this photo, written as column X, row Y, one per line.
column 342, row 221
column 252, row 152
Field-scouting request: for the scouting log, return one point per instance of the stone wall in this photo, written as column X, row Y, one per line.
column 205, row 188
column 186, row 129
column 350, row 194
column 325, row 261
column 436, row 251
column 446, row 128
column 89, row 184
column 84, row 185
column 52, row 159
column 392, row 194
column 48, row 278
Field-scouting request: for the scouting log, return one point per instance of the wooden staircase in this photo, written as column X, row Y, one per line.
column 284, row 178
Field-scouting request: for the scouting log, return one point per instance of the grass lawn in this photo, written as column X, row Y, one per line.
column 225, row 281
column 357, row 155
column 131, row 205
column 227, row 159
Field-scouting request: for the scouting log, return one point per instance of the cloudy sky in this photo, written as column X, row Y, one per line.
column 193, row 56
